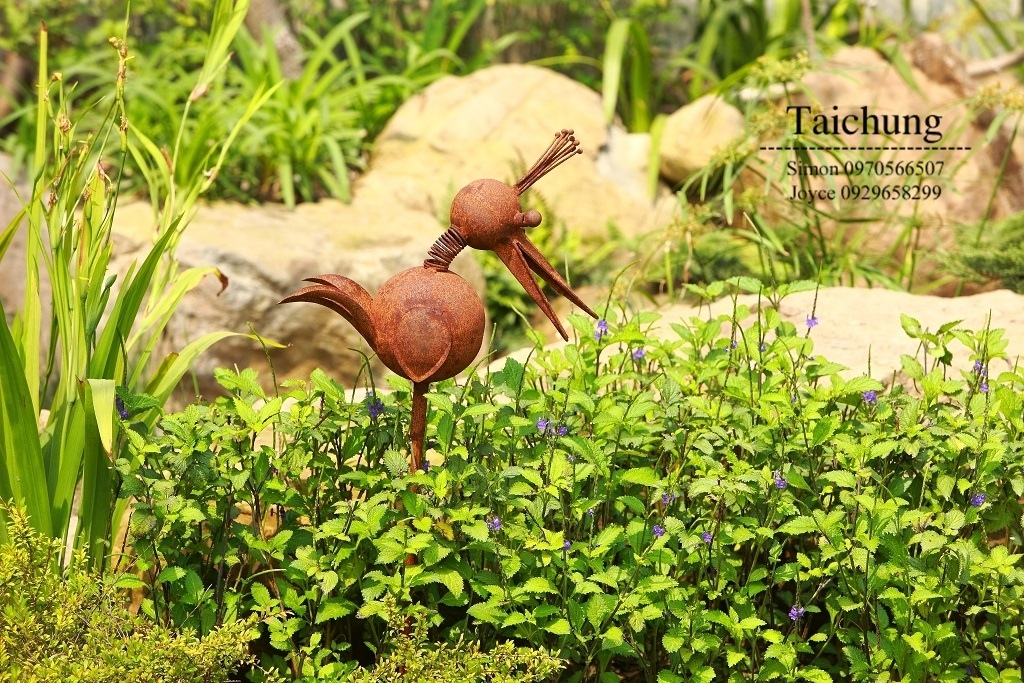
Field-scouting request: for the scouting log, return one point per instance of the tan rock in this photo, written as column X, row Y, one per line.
column 494, row 123
column 861, row 326
column 694, row 133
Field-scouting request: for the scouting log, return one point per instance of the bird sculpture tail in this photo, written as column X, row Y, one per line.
column 343, row 296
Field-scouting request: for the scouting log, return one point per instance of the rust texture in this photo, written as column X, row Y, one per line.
column 426, row 323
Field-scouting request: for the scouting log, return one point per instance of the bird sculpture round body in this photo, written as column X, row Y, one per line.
column 426, row 323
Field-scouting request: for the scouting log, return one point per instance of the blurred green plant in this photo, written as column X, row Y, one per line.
column 990, row 251
column 302, row 143
column 59, row 382
column 73, row 625
column 358, row 67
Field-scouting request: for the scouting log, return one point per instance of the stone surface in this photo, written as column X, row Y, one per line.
column 694, row 133
column 857, row 324
column 494, row 123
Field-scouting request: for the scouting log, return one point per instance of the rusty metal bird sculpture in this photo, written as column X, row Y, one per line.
column 426, row 323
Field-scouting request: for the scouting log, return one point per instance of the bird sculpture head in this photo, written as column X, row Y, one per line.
column 487, row 214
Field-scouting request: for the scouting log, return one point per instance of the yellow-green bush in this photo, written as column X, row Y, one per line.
column 71, row 626
column 409, row 658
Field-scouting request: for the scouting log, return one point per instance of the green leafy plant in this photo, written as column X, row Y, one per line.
column 71, row 625
column 716, row 501
column 301, row 144
column 99, row 337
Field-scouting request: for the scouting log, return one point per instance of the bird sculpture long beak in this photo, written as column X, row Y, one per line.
column 521, row 257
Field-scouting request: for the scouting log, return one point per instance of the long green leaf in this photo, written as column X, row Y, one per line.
column 176, row 365
column 614, row 57
column 152, row 326
column 30, row 327
column 21, row 465
column 97, row 478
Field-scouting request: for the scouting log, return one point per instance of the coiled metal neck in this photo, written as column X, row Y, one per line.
column 444, row 249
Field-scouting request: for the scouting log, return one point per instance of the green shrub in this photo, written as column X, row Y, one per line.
column 75, row 628
column 719, row 504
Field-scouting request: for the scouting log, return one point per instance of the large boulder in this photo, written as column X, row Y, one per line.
column 694, row 133
column 861, row 328
column 494, row 123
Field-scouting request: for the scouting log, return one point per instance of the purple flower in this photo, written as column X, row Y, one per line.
column 425, row 465
column 494, row 523
column 780, row 481
column 762, row 348
column 638, row 354
column 706, row 537
column 590, row 512
column 870, row 397
column 978, row 499
column 374, row 406
column 812, row 320
column 571, row 459
column 658, row 531
column 602, row 329
column 796, row 612
column 667, row 498
column 566, row 545
column 732, row 344
column 562, row 430
column 542, row 424
column 121, row 409
column 979, row 368
column 983, row 387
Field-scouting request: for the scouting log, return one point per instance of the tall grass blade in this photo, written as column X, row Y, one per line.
column 614, row 57
column 22, row 477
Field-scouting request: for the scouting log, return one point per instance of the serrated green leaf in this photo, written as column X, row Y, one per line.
column 599, row 607
column 674, row 639
column 560, row 627
column 539, row 584
column 170, row 575
column 799, row 525
column 479, row 409
column 814, row 674
column 452, row 580
column 477, row 530
column 334, row 608
column 645, row 476
column 260, row 594
column 129, row 582
column 487, row 612
column 396, row 464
